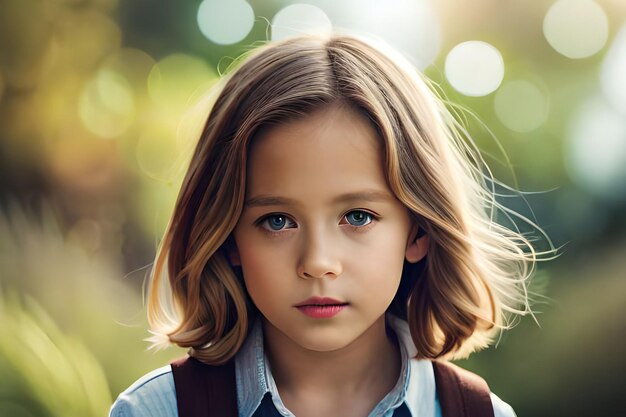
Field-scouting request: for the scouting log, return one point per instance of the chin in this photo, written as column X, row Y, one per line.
column 323, row 340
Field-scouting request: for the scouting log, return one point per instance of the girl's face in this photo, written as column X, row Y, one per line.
column 320, row 220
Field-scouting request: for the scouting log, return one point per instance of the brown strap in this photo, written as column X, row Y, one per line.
column 204, row 390
column 461, row 393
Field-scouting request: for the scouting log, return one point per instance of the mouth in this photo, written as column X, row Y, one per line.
column 321, row 307
column 321, row 302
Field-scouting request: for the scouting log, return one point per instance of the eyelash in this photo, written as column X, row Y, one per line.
column 357, row 229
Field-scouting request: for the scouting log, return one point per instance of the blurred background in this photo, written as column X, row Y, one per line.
column 101, row 102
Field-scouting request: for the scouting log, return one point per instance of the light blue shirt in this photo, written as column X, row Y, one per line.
column 154, row 394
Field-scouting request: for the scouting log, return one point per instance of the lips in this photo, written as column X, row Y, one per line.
column 321, row 301
column 321, row 307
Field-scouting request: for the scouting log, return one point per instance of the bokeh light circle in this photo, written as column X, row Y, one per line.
column 596, row 152
column 156, row 152
column 613, row 73
column 410, row 26
column 106, row 105
column 174, row 79
column 521, row 105
column 298, row 19
column 474, row 68
column 135, row 65
column 576, row 28
column 225, row 22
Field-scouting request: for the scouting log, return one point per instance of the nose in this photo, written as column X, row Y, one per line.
column 319, row 258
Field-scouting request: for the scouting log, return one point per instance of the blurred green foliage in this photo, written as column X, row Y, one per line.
column 42, row 368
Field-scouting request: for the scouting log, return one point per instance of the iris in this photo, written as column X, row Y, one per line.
column 360, row 217
column 278, row 221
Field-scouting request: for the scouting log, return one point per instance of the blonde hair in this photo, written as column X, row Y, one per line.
column 455, row 300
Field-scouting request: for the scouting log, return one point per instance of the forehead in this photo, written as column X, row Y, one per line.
column 332, row 151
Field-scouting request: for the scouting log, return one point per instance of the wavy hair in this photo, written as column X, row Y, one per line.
column 476, row 273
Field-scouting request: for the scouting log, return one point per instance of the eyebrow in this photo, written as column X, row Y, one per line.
column 363, row 195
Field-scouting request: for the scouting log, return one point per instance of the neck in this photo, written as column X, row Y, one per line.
column 369, row 365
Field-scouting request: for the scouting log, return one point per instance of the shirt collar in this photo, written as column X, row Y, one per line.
column 420, row 394
column 254, row 377
column 250, row 372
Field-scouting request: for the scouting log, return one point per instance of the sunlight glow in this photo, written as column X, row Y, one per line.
column 225, row 22
column 175, row 78
column 474, row 68
column 613, row 72
column 596, row 154
column 576, row 28
column 298, row 19
column 106, row 106
column 411, row 26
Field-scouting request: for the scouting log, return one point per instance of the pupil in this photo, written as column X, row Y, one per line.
column 358, row 216
column 277, row 221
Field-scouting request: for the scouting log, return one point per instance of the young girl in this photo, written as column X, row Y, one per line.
column 332, row 246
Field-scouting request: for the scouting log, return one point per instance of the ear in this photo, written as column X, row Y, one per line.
column 417, row 244
column 232, row 251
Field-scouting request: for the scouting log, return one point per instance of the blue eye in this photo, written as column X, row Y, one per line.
column 276, row 222
column 360, row 218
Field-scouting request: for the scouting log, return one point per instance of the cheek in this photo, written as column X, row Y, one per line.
column 380, row 269
column 252, row 265
column 382, row 274
column 262, row 271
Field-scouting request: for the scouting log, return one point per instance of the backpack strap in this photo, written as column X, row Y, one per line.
column 203, row 390
column 461, row 393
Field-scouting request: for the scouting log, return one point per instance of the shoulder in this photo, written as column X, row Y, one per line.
column 153, row 394
column 473, row 383
column 422, row 398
